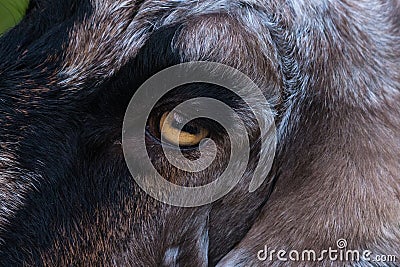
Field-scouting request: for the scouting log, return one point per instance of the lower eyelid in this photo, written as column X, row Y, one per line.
column 150, row 137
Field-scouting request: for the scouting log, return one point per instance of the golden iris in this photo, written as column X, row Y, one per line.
column 190, row 135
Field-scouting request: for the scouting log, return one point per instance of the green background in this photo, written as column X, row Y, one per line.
column 11, row 12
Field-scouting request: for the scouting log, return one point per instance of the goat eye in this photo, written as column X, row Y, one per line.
column 190, row 134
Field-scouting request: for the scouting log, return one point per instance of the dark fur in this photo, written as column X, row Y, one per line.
column 68, row 70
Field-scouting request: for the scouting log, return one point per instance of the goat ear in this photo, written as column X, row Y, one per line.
column 11, row 13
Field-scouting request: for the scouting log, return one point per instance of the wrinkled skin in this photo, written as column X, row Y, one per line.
column 68, row 70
